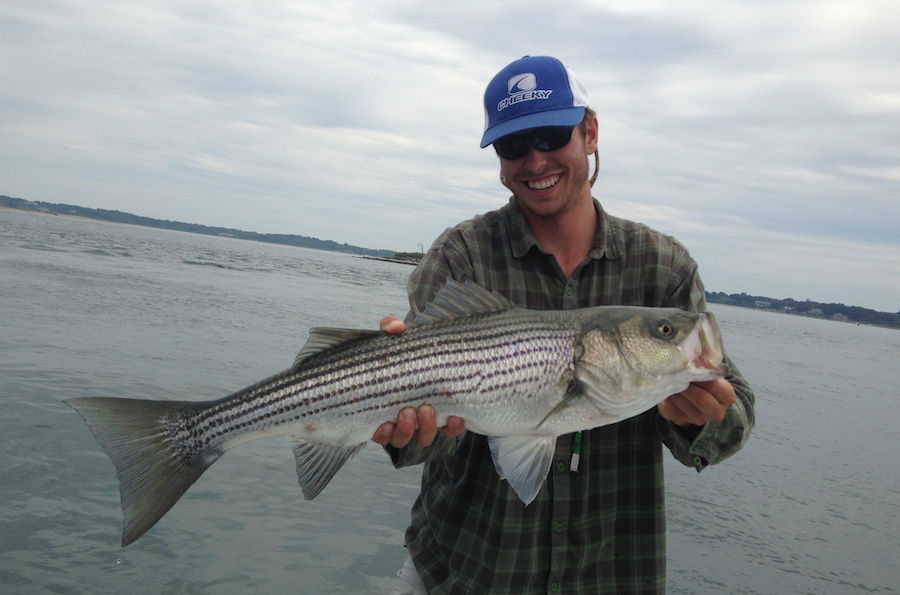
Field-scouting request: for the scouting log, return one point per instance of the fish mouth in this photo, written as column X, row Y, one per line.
column 703, row 347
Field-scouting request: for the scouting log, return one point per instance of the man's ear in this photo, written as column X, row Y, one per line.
column 591, row 135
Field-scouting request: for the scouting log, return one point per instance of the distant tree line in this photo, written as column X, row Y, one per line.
column 120, row 217
column 414, row 256
column 807, row 308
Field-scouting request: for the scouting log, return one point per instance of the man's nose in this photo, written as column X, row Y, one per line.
column 535, row 160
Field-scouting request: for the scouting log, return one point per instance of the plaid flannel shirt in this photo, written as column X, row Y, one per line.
column 600, row 529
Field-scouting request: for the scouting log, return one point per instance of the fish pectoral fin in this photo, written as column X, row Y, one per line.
column 524, row 461
column 317, row 463
column 322, row 338
column 573, row 391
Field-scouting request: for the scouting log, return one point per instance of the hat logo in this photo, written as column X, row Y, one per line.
column 521, row 82
column 522, row 87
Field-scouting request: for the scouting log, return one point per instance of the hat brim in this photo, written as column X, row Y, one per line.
column 571, row 116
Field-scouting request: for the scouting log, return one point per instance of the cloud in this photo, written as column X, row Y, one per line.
column 761, row 130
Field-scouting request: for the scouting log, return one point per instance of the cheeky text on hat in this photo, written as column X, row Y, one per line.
column 523, row 87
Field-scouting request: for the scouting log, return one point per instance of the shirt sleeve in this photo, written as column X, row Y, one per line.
column 443, row 261
column 713, row 442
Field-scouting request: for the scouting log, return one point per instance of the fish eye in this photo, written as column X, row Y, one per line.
column 665, row 328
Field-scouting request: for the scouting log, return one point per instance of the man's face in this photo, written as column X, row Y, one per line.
column 547, row 184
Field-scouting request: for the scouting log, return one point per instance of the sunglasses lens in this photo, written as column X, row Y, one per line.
column 551, row 139
column 515, row 146
column 512, row 147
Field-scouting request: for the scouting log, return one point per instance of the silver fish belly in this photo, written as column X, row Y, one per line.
column 520, row 377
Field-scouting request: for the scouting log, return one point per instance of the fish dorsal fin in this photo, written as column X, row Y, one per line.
column 322, row 338
column 317, row 463
column 524, row 461
column 454, row 300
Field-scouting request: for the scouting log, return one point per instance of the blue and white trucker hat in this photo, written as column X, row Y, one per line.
column 532, row 92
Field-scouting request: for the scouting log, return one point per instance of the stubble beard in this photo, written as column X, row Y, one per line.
column 579, row 175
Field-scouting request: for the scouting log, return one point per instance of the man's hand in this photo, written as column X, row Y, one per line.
column 699, row 403
column 421, row 423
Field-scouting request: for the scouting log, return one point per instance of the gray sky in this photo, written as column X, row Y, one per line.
column 764, row 134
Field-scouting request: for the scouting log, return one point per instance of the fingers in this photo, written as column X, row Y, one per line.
column 455, row 426
column 679, row 410
column 699, row 403
column 392, row 325
column 427, row 426
column 398, row 433
column 420, row 424
column 383, row 434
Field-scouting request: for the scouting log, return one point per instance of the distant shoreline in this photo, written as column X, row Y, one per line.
column 801, row 315
column 386, row 259
column 806, row 308
column 113, row 216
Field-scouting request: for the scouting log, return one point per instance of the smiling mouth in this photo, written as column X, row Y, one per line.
column 543, row 184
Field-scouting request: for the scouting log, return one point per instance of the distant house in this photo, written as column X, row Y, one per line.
column 815, row 312
column 762, row 304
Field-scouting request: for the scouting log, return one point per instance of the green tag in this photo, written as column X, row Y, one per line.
column 576, row 453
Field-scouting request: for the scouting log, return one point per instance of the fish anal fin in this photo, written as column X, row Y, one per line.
column 324, row 338
column 152, row 474
column 317, row 463
column 524, row 461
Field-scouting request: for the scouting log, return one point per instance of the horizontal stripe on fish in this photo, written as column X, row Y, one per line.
column 458, row 367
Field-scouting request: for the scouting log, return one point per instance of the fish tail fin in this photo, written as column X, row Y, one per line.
column 153, row 475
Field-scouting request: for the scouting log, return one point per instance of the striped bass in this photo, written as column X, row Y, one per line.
column 520, row 377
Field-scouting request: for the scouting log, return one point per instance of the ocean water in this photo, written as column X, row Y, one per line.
column 811, row 505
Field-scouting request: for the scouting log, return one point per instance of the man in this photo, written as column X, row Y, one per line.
column 597, row 526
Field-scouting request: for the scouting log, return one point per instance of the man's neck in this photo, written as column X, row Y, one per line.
column 568, row 236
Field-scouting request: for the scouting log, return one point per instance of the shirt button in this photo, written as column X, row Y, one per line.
column 560, row 527
column 560, row 467
column 569, row 291
column 554, row 587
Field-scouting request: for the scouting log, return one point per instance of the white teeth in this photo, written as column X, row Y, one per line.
column 544, row 184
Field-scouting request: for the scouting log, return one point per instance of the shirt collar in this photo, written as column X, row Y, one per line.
column 522, row 239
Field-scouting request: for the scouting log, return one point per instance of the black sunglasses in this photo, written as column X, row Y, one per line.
column 551, row 138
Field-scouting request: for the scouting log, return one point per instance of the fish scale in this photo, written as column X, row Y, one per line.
column 520, row 377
